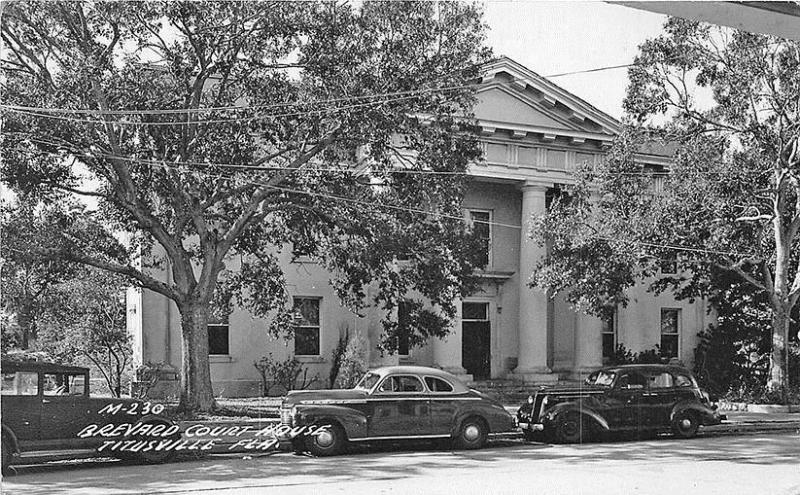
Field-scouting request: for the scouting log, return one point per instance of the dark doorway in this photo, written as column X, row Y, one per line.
column 476, row 334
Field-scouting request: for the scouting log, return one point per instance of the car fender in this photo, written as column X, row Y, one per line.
column 8, row 433
column 703, row 411
column 353, row 421
column 554, row 411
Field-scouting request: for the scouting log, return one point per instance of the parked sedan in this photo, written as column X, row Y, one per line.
column 638, row 398
column 395, row 403
column 47, row 409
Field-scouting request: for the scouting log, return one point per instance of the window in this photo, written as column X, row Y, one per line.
column 403, row 329
column 437, row 385
column 218, row 335
column 669, row 264
column 632, row 380
column 682, row 380
column 21, row 383
column 481, row 223
column 609, row 337
column 401, row 384
column 670, row 331
column 306, row 328
column 474, row 311
column 661, row 380
column 63, row 384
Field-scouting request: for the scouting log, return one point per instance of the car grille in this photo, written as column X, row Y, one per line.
column 536, row 410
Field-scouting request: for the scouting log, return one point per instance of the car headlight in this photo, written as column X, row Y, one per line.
column 530, row 399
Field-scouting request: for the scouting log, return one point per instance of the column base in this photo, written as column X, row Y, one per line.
column 458, row 371
column 542, row 376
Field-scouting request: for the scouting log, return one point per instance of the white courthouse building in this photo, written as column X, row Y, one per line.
column 534, row 133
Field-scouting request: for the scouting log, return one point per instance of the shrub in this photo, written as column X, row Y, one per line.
column 285, row 375
column 623, row 355
column 353, row 363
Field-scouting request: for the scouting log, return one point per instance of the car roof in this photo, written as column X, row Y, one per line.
column 458, row 385
column 9, row 365
column 646, row 367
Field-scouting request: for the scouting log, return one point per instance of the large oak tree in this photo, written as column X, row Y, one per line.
column 220, row 131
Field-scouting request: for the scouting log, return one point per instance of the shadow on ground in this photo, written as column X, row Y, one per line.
column 387, row 462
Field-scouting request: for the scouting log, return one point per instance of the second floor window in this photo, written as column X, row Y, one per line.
column 306, row 326
column 481, row 224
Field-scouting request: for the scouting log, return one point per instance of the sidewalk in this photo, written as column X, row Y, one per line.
column 742, row 421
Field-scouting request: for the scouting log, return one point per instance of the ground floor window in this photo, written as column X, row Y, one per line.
column 306, row 327
column 403, row 328
column 670, row 332
column 609, row 337
column 218, row 338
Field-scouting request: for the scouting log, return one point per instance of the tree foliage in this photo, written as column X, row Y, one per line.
column 725, row 105
column 223, row 133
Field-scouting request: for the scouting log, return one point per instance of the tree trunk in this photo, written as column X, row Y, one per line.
column 196, row 391
column 777, row 365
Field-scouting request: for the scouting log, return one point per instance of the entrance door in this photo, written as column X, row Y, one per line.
column 476, row 334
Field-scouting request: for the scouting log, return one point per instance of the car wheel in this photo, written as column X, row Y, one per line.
column 7, row 453
column 570, row 427
column 472, row 434
column 685, row 424
column 329, row 441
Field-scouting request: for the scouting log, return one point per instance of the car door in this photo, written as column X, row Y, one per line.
column 444, row 405
column 624, row 401
column 658, row 399
column 65, row 408
column 400, row 407
column 22, row 404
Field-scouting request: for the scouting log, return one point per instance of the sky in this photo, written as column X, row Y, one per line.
column 557, row 37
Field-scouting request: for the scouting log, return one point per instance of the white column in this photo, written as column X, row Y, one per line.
column 588, row 345
column 447, row 351
column 533, row 307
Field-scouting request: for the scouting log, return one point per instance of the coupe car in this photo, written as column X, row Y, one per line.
column 395, row 403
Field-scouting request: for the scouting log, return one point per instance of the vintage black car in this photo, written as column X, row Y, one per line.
column 395, row 403
column 46, row 409
column 644, row 399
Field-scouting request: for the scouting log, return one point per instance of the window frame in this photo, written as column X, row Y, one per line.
column 318, row 327
column 676, row 334
column 613, row 332
column 378, row 390
column 408, row 344
column 489, row 222
column 425, row 381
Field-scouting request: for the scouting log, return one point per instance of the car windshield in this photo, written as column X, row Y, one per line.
column 368, row 381
column 601, row 378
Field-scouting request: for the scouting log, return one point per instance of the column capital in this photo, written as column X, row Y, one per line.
column 530, row 187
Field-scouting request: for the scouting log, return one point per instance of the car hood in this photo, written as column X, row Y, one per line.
column 328, row 396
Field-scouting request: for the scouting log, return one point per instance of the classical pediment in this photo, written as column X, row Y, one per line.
column 512, row 97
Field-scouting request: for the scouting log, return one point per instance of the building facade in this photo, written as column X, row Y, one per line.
column 533, row 134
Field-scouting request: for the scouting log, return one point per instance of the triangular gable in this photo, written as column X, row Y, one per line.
column 513, row 94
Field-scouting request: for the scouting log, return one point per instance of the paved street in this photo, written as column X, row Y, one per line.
column 715, row 464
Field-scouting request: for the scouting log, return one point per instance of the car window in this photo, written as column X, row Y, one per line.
column 368, row 381
column 660, row 380
column 400, row 384
column 437, row 385
column 63, row 384
column 601, row 378
column 631, row 380
column 682, row 380
column 20, row 383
